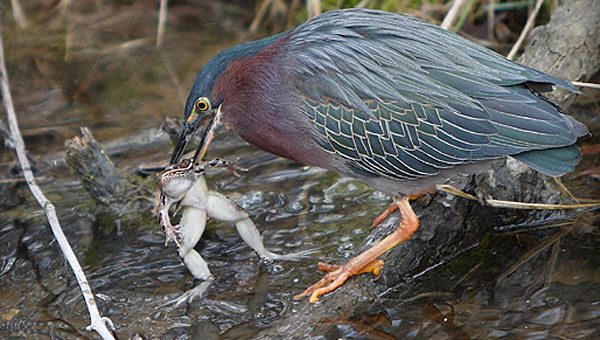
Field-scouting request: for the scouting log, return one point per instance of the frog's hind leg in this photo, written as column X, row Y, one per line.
column 222, row 208
column 191, row 228
column 196, row 265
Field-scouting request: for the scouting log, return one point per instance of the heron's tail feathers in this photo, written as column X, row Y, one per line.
column 552, row 162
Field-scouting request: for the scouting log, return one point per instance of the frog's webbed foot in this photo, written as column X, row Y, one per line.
column 190, row 295
column 172, row 234
column 235, row 170
column 270, row 256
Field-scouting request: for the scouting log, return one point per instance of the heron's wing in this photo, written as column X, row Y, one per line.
column 395, row 140
column 403, row 98
column 356, row 54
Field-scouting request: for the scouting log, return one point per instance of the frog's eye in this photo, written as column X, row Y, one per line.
column 202, row 104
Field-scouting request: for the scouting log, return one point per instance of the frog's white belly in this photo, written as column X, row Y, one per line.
column 197, row 196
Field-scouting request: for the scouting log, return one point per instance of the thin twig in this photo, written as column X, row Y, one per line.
column 463, row 16
column 528, row 26
column 313, row 8
column 587, row 85
column 162, row 23
column 6, row 135
column 64, row 4
column 491, row 19
column 452, row 14
column 535, row 251
column 18, row 14
column 12, row 180
column 362, row 3
column 552, row 263
column 174, row 78
column 64, row 9
column 514, row 205
column 564, row 190
column 99, row 323
column 260, row 14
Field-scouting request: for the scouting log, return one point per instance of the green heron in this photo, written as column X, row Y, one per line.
column 391, row 100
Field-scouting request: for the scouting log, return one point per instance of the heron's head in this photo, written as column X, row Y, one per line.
column 201, row 113
column 203, row 106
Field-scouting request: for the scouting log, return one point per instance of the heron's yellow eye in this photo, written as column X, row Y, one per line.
column 202, row 104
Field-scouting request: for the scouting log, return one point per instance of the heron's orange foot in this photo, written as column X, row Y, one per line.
column 336, row 276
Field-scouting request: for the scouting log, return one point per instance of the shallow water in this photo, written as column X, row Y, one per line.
column 98, row 67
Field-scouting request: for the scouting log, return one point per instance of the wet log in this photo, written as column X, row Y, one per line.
column 568, row 46
column 99, row 176
column 143, row 141
column 108, row 185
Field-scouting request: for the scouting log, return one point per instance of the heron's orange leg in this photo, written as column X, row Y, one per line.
column 368, row 261
column 384, row 215
column 391, row 208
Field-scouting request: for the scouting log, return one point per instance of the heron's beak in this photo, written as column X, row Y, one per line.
column 210, row 132
column 189, row 128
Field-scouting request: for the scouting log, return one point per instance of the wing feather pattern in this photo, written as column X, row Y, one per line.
column 404, row 99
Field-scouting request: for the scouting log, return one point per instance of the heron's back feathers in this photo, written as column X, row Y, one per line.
column 404, row 99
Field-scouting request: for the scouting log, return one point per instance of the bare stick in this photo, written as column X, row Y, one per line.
column 260, row 14
column 313, row 8
column 64, row 6
column 452, row 13
column 99, row 323
column 6, row 135
column 362, row 4
column 491, row 18
column 18, row 13
column 162, row 23
column 515, row 205
column 588, row 85
column 528, row 26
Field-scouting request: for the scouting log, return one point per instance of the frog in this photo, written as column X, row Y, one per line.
column 184, row 182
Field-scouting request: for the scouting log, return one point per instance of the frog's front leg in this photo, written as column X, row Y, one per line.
column 200, row 167
column 171, row 231
column 222, row 208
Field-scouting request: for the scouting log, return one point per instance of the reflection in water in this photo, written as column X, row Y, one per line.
column 122, row 86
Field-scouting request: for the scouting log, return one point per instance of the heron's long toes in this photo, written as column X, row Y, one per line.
column 328, row 267
column 337, row 275
column 326, row 280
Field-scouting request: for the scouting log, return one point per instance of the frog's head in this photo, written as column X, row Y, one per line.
column 177, row 179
